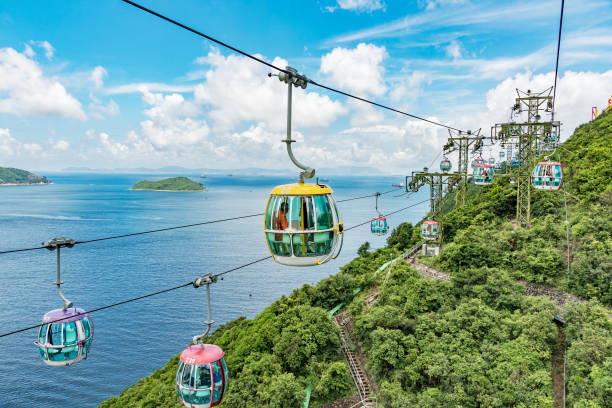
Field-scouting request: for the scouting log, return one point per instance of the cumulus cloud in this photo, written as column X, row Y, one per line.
column 237, row 91
column 49, row 50
column 409, row 87
column 97, row 76
column 61, row 145
column 454, row 49
column 577, row 92
column 361, row 5
column 25, row 90
column 358, row 70
column 8, row 144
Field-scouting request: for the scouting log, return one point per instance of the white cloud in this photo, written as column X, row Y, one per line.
column 28, row 52
column 26, row 91
column 8, row 144
column 238, row 91
column 49, row 50
column 173, row 122
column 410, row 87
column 97, row 76
column 61, row 145
column 358, row 70
column 32, row 147
column 432, row 4
column 361, row 5
column 577, row 92
column 454, row 49
column 142, row 87
column 100, row 111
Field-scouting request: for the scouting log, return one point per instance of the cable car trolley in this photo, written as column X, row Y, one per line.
column 548, row 175
column 430, row 230
column 483, row 174
column 379, row 225
column 66, row 334
column 202, row 375
column 445, row 164
column 302, row 224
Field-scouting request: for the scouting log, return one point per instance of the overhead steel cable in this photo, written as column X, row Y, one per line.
column 366, row 196
column 87, row 241
column 159, row 292
column 260, row 60
column 391, row 213
column 557, row 63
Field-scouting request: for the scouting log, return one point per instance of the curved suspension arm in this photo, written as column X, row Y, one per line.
column 308, row 172
column 205, row 280
column 58, row 282
column 56, row 244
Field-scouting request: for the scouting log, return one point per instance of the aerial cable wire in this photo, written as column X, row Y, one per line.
column 159, row 292
column 10, row 251
column 557, row 63
column 262, row 61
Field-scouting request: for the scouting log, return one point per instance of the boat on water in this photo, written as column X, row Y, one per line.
column 397, row 185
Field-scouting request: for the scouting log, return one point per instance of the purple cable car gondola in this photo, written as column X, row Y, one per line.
column 65, row 336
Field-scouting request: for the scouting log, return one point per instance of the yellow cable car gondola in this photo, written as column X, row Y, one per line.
column 302, row 224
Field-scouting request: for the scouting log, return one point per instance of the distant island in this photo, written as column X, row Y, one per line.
column 16, row 177
column 169, row 184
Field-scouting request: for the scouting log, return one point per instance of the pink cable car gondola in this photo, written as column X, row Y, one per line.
column 483, row 174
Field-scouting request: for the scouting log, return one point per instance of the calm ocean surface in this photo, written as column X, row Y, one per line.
column 133, row 340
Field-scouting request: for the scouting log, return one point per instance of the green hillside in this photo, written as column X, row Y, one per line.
column 476, row 340
column 169, row 184
column 9, row 175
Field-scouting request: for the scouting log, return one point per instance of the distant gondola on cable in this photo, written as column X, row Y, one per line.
column 379, row 224
column 498, row 166
column 445, row 164
column 483, row 174
column 202, row 375
column 430, row 230
column 547, row 176
column 66, row 334
column 302, row 224
column 477, row 161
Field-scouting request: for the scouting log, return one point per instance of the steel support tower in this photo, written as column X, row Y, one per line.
column 533, row 138
column 461, row 143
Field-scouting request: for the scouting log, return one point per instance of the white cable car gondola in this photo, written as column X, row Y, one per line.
column 548, row 176
column 66, row 334
column 483, row 174
column 302, row 224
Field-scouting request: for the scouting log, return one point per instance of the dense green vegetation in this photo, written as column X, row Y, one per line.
column 169, row 184
column 475, row 341
column 9, row 175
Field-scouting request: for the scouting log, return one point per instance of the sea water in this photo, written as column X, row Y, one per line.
column 134, row 339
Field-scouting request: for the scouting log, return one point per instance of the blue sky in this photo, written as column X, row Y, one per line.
column 104, row 85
